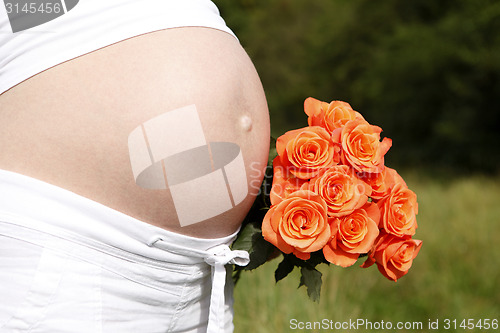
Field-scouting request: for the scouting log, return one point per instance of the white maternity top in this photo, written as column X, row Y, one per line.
column 37, row 35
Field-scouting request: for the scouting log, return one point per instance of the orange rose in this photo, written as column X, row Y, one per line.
column 283, row 183
column 393, row 255
column 361, row 146
column 352, row 235
column 382, row 183
column 304, row 152
column 398, row 211
column 329, row 116
column 298, row 224
column 341, row 190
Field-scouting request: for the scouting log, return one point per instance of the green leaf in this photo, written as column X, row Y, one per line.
column 285, row 267
column 272, row 151
column 251, row 240
column 244, row 240
column 311, row 278
column 260, row 253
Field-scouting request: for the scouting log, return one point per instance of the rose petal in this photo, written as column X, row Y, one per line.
column 339, row 257
column 270, row 234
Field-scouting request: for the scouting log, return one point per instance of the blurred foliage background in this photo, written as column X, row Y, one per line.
column 426, row 71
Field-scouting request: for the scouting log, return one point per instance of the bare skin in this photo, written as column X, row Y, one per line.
column 68, row 126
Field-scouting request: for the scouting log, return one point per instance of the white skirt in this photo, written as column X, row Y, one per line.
column 69, row 264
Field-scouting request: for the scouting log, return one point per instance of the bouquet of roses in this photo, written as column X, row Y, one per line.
column 332, row 200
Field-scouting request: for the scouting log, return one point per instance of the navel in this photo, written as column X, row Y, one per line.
column 246, row 123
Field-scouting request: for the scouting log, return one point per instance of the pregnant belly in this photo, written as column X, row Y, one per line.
column 171, row 128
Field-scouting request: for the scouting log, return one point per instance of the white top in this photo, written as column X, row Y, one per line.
column 38, row 35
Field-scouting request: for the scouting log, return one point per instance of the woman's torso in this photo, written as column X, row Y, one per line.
column 69, row 125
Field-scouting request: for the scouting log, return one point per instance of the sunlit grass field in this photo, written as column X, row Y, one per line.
column 456, row 275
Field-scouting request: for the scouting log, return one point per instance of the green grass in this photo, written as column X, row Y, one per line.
column 455, row 276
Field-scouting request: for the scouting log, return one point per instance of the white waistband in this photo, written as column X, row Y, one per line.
column 39, row 203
